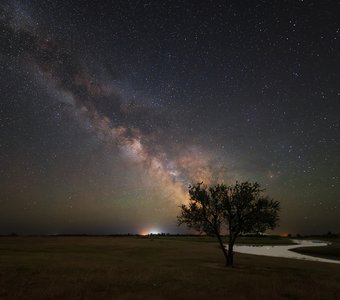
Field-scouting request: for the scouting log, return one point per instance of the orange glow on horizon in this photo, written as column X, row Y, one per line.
column 144, row 232
column 148, row 231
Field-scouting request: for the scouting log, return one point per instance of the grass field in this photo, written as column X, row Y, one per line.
column 159, row 268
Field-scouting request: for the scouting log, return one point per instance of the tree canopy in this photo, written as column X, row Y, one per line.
column 233, row 209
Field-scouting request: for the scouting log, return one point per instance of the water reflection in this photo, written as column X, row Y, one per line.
column 284, row 251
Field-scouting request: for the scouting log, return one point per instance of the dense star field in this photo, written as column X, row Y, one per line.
column 110, row 109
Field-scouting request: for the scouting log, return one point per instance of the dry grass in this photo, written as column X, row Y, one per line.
column 138, row 268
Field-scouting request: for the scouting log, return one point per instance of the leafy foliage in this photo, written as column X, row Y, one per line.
column 239, row 208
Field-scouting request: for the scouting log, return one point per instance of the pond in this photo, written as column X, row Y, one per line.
column 284, row 251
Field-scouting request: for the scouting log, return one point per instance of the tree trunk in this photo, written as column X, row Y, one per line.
column 222, row 247
column 230, row 256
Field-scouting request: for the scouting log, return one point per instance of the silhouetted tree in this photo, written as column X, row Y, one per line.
column 236, row 209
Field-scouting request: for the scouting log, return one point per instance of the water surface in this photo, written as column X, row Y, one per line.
column 284, row 251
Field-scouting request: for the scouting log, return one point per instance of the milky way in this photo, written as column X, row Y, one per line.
column 109, row 111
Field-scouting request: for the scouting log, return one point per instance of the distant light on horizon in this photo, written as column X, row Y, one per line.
column 148, row 231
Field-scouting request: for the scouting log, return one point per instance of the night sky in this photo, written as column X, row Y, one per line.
column 110, row 109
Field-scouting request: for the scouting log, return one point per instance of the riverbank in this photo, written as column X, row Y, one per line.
column 144, row 268
column 287, row 251
column 331, row 251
